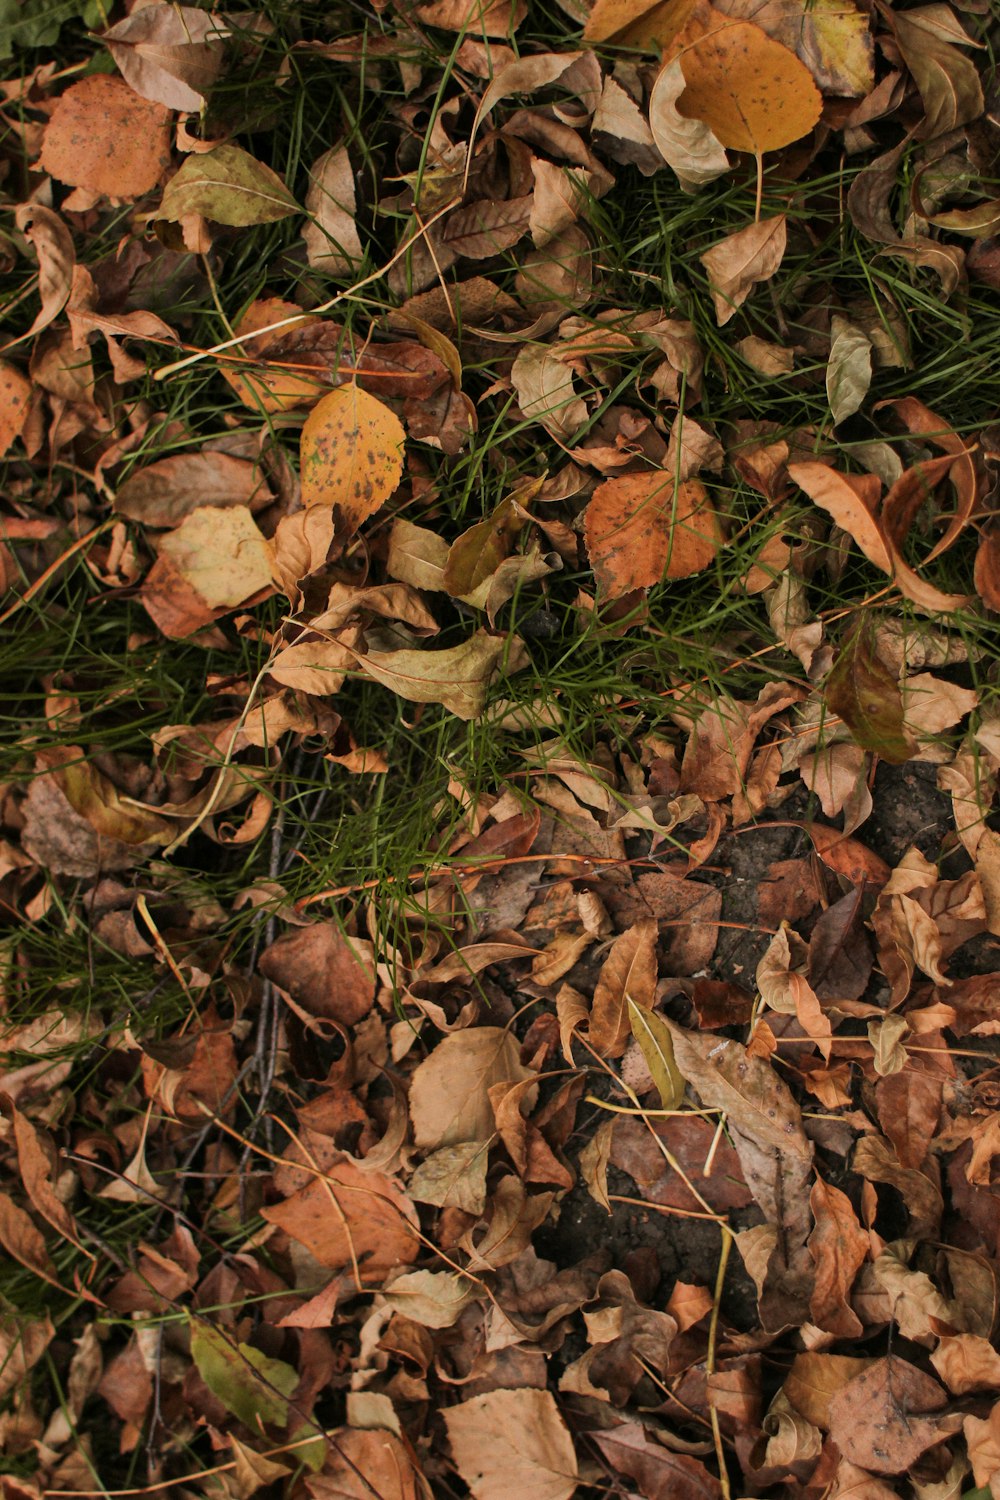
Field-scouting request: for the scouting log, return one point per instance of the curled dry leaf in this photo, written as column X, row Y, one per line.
column 103, row 137
column 351, row 452
column 170, row 54
column 689, row 146
column 53, row 244
column 642, row 528
column 738, row 262
column 331, row 236
column 458, row 678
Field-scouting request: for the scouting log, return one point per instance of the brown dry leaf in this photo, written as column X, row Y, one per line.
column 53, row 245
column 688, row 146
column 815, row 1379
column 659, row 1473
column 838, row 1246
column 362, row 1461
column 349, row 1216
column 331, row 237
column 983, row 1440
column 458, row 678
column 351, row 455
column 642, row 528
column 15, row 396
column 104, row 138
column 23, row 1341
column 628, row 974
column 738, row 262
column 752, row 92
column 221, row 554
column 966, row 1362
column 513, row 1442
column 449, row 1092
column 948, row 81
column 489, row 18
column 166, row 492
column 880, row 1420
column 330, row 974
column 545, row 393
column 170, row 54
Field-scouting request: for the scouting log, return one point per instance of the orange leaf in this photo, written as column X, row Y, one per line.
column 639, row 530
column 15, row 393
column 105, row 138
column 351, row 454
column 751, row 91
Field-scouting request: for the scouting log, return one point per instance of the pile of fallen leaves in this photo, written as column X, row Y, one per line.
column 557, row 1164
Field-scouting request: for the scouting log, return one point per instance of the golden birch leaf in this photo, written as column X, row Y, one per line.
column 351, row 454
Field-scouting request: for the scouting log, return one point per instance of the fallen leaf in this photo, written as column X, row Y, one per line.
column 738, row 262
column 333, row 245
column 512, row 1442
column 839, row 1247
column 254, row 1387
column 166, row 492
column 351, row 1216
column 879, row 1420
column 15, row 395
column 657, row 1047
column 228, row 186
column 351, row 455
column 848, row 370
column 53, row 244
column 458, row 677
column 103, row 137
column 642, row 528
column 862, row 692
column 627, row 977
column 360, row 1460
column 449, row 1092
column 660, row 1473
column 221, row 554
column 435, row 1299
column 330, row 974
column 948, row 82
column 752, row 92
column 688, row 146
column 170, row 54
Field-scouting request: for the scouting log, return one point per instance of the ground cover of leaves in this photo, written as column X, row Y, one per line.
column 499, row 866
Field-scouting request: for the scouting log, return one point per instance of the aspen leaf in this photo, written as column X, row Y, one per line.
column 752, row 92
column 742, row 259
column 15, row 394
column 351, row 453
column 105, row 138
column 513, row 1443
column 639, row 530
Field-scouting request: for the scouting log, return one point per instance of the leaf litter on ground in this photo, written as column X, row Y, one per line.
column 500, row 890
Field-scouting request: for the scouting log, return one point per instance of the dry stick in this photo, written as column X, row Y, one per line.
column 713, row 1333
column 192, row 359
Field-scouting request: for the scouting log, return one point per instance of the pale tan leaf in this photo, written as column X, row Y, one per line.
column 221, row 553
column 513, row 1443
column 331, row 237
column 738, row 262
column 449, row 1093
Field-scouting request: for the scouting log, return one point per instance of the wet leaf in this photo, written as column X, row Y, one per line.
column 351, row 452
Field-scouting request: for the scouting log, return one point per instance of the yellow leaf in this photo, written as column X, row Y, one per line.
column 351, row 454
column 753, row 93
